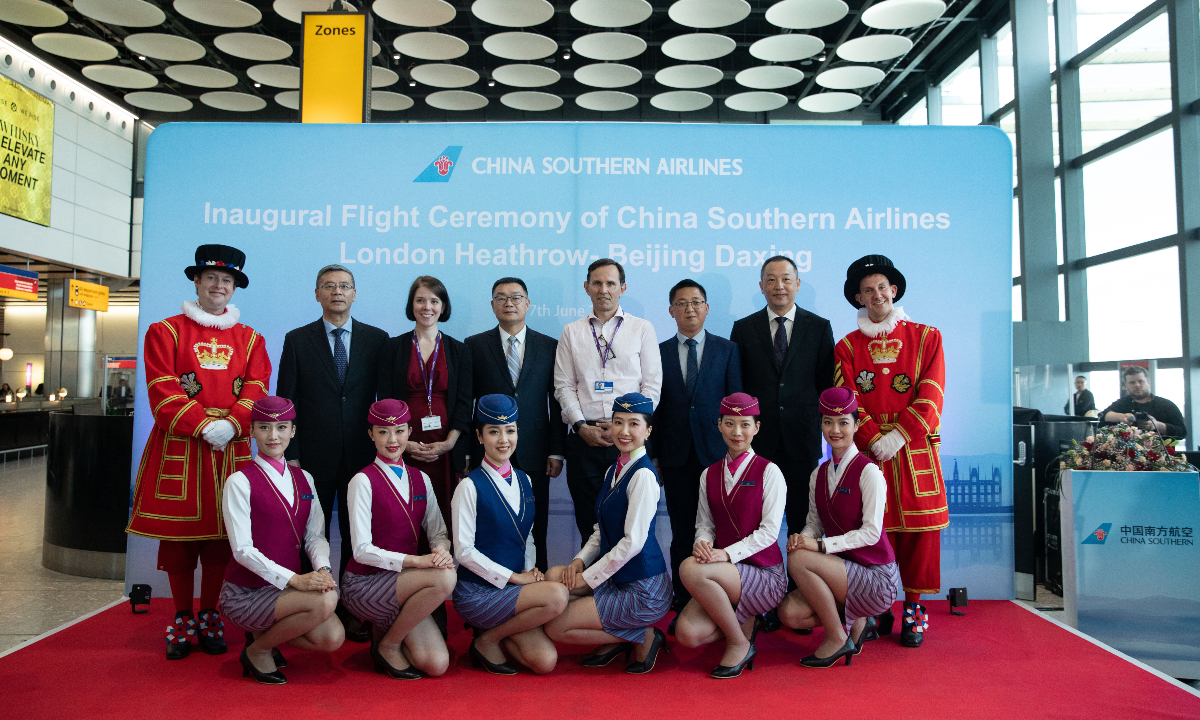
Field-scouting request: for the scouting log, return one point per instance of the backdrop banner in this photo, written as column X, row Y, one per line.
column 470, row 203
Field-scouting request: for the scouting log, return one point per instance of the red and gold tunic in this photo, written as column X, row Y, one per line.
column 898, row 378
column 195, row 375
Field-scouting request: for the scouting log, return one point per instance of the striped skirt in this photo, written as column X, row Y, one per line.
column 485, row 606
column 372, row 598
column 251, row 609
column 870, row 589
column 763, row 589
column 627, row 609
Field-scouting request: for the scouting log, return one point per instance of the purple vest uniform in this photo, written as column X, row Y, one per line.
column 737, row 514
column 844, row 512
column 395, row 524
column 276, row 529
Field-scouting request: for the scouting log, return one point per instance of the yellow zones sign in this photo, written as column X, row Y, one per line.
column 335, row 68
column 26, row 152
column 88, row 296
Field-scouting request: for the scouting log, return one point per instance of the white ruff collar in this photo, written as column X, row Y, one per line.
column 874, row 329
column 218, row 322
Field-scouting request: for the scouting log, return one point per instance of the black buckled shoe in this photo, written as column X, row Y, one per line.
column 212, row 633
column 179, row 636
column 916, row 622
column 771, row 621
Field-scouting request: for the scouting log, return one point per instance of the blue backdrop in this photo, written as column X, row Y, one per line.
column 470, row 203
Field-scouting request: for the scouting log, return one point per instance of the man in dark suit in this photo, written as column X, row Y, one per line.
column 513, row 359
column 787, row 362
column 699, row 369
column 328, row 369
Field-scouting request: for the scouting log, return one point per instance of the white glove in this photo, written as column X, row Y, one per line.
column 219, row 433
column 886, row 447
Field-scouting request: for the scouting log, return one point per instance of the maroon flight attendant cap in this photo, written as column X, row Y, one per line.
column 740, row 404
column 388, row 413
column 272, row 409
column 838, row 401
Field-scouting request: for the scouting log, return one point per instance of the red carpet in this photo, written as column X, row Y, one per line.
column 999, row 661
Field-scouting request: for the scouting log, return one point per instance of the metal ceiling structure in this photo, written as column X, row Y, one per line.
column 454, row 37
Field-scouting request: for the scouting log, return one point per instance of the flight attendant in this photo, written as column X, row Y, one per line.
column 387, row 582
column 270, row 509
column 618, row 582
column 841, row 561
column 736, row 572
column 500, row 590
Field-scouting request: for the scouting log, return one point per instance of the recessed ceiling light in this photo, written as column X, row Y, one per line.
column 566, row 55
column 141, row 57
column 257, row 85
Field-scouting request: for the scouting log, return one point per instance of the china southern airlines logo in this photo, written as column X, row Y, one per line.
column 1099, row 535
column 442, row 166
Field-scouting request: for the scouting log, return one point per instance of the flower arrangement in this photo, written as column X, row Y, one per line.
column 1121, row 447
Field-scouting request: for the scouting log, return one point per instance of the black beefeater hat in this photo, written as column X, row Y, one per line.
column 871, row 265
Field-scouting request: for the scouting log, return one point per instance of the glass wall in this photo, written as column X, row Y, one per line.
column 1118, row 242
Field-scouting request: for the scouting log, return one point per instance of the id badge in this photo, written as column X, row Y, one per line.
column 431, row 422
column 603, row 387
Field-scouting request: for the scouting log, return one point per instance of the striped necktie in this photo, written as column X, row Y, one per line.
column 514, row 360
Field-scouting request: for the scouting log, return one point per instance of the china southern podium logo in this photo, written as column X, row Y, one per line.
column 1099, row 535
column 442, row 166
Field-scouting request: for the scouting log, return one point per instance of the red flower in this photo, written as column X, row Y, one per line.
column 1171, row 450
column 1152, row 456
column 1126, row 435
column 1131, row 453
column 1088, row 444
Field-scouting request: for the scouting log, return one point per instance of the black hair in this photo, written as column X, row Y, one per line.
column 606, row 262
column 510, row 281
column 434, row 286
column 777, row 258
column 755, row 418
column 647, row 417
column 683, row 285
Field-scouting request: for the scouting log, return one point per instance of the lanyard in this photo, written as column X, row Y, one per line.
column 604, row 353
column 427, row 378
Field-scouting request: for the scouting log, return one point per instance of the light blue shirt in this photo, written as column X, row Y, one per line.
column 683, row 350
column 330, row 327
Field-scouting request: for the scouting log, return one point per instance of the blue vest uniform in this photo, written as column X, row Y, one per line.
column 612, row 506
column 500, row 532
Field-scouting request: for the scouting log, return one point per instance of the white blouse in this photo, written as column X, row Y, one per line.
column 774, row 501
column 874, row 495
column 643, row 492
column 235, row 508
column 359, row 497
column 462, row 515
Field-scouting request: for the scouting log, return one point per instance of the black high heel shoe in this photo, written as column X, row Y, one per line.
column 727, row 672
column 248, row 670
column 847, row 651
column 602, row 659
column 383, row 667
column 658, row 643
column 869, row 632
column 478, row 660
column 280, row 660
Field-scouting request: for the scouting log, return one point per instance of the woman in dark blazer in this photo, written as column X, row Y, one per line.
column 432, row 375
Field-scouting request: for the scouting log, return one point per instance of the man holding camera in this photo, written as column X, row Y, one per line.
column 1141, row 408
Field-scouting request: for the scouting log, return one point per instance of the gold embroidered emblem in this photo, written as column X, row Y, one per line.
column 501, row 417
column 883, row 350
column 189, row 384
column 391, row 419
column 625, row 405
column 237, row 387
column 212, row 355
column 901, row 383
column 865, row 381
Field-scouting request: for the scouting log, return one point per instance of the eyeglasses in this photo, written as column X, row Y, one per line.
column 694, row 304
column 330, row 287
column 506, row 299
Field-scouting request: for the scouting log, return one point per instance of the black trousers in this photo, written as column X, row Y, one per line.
column 796, row 474
column 682, row 486
column 586, row 466
column 541, row 512
column 330, row 490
